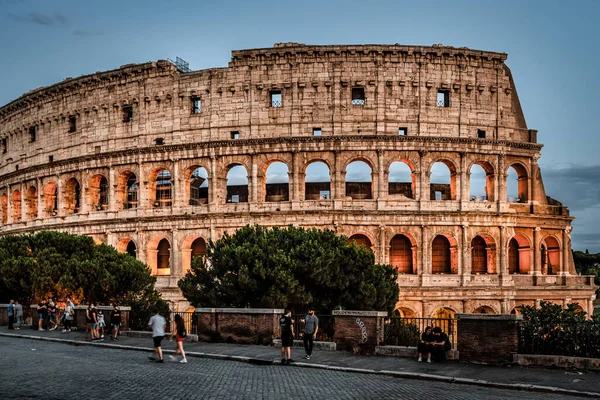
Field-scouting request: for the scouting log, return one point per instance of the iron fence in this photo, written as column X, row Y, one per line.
column 401, row 331
column 326, row 330
column 574, row 339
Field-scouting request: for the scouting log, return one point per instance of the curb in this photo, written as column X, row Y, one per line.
column 260, row 361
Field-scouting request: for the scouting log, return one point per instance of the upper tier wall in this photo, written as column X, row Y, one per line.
column 400, row 83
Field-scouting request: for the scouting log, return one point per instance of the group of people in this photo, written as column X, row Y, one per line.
column 95, row 324
column 15, row 314
column 434, row 343
column 48, row 315
column 158, row 324
column 309, row 334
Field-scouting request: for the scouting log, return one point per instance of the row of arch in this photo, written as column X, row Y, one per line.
column 160, row 187
column 450, row 313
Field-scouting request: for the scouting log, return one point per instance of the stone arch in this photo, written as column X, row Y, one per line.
column 402, row 178
column 518, row 255
column 72, row 197
column 483, row 254
column 31, row 202
column 4, row 202
column 522, row 185
column 276, row 181
column 487, row 176
column 17, row 212
column 317, row 184
column 515, row 310
column 550, row 255
column 237, row 183
column 442, row 190
column 98, row 193
column 358, row 186
column 402, row 253
column 361, row 239
column 127, row 245
column 444, row 254
column 50, row 199
column 406, row 313
column 127, row 190
column 159, row 256
column 484, row 310
column 192, row 247
column 443, row 313
column 196, row 185
column 160, row 188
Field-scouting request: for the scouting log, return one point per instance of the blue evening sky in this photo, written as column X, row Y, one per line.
column 552, row 51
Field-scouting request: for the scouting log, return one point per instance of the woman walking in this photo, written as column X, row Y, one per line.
column 180, row 335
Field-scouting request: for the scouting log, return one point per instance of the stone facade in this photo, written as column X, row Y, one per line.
column 139, row 157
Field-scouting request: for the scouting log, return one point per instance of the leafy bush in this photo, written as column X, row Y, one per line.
column 401, row 333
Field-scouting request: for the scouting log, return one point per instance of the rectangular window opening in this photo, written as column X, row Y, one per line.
column 50, row 159
column 402, row 131
column 316, row 131
column 480, row 134
column 127, row 114
column 358, row 96
column 196, row 105
column 32, row 134
column 159, row 141
column 276, row 99
column 235, row 135
column 72, row 124
column 443, row 98
column 4, row 145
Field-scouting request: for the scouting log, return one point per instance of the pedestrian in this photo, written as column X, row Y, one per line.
column 19, row 314
column 311, row 327
column 88, row 321
column 68, row 315
column 425, row 345
column 180, row 335
column 51, row 313
column 101, row 324
column 94, row 318
column 42, row 308
column 286, row 323
column 115, row 322
column 441, row 344
column 158, row 325
column 11, row 314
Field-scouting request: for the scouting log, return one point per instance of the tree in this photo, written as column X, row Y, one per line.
column 289, row 267
column 55, row 264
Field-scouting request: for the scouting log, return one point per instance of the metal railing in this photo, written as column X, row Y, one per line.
column 574, row 339
column 326, row 330
column 400, row 331
column 189, row 320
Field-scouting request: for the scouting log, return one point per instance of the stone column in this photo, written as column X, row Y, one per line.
column 566, row 251
column 425, row 266
column 40, row 190
column 464, row 267
column 293, row 180
column 112, row 184
column 335, row 185
column 213, row 184
column 424, row 181
column 23, row 209
column 142, row 188
column 380, row 174
column 382, row 245
column 503, row 267
column 464, row 176
column 254, row 181
column 84, row 197
column 176, row 193
column 9, row 206
column 175, row 255
column 501, row 176
column 532, row 178
column 537, row 259
column 59, row 197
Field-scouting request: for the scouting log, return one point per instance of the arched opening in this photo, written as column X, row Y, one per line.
column 401, row 254
column 481, row 182
column 31, row 201
column 72, row 197
column 127, row 190
column 198, row 187
column 277, row 182
column 317, row 182
column 198, row 248
column 126, row 245
column 131, row 249
column 4, row 209
column 401, row 179
column 518, row 255
column 406, row 313
column 517, row 184
column 550, row 256
column 359, row 181
column 16, row 206
column 237, row 184
column 515, row 310
column 163, row 263
column 442, row 182
column 484, row 310
column 163, row 189
column 192, row 248
column 361, row 240
column 98, row 192
column 444, row 313
column 50, row 199
column 483, row 255
column 444, row 256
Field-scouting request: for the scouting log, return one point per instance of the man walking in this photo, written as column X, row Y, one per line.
column 286, row 323
column 11, row 314
column 41, row 309
column 19, row 314
column 158, row 325
column 311, row 327
column 115, row 322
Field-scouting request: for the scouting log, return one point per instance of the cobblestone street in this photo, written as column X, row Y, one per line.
column 46, row 370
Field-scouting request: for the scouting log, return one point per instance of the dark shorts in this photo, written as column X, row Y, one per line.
column 287, row 340
column 157, row 340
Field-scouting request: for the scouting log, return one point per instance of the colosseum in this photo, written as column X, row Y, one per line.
column 155, row 160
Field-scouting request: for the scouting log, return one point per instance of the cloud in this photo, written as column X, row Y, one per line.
column 577, row 187
column 83, row 33
column 40, row 18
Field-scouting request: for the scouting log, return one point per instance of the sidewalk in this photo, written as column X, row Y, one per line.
column 585, row 383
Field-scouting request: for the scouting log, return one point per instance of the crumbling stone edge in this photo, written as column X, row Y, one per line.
column 259, row 361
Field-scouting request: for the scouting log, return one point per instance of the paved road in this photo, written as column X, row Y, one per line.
column 32, row 369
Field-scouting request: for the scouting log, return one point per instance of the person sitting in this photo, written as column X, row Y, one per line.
column 425, row 344
column 440, row 345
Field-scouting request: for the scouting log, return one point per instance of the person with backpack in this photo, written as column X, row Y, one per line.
column 180, row 335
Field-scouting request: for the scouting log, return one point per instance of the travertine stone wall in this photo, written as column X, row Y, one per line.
column 83, row 133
